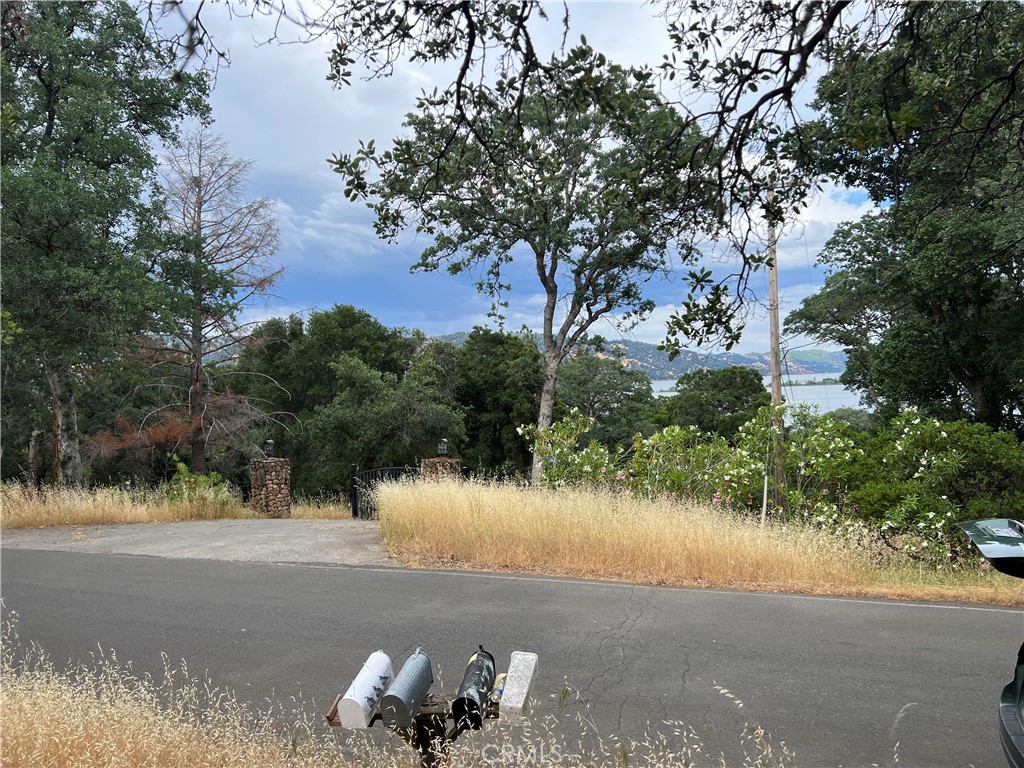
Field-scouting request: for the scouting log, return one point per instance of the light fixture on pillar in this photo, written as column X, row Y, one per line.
column 442, row 447
column 268, row 448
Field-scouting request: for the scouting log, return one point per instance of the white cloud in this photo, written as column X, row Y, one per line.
column 811, row 230
column 337, row 235
column 259, row 311
column 274, row 104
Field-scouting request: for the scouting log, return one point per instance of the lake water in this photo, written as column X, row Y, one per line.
column 827, row 397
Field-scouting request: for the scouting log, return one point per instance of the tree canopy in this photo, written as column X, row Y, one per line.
column 576, row 197
column 86, row 96
column 716, row 400
column 742, row 70
column 926, row 296
column 500, row 376
column 619, row 399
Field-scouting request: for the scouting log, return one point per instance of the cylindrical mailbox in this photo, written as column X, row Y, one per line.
column 468, row 707
column 356, row 708
column 399, row 705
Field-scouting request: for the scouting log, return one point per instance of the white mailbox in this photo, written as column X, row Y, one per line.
column 358, row 705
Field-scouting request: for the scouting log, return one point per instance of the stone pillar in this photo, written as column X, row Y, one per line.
column 271, row 481
column 440, row 468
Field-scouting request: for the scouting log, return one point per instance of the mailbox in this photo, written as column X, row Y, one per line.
column 522, row 672
column 399, row 705
column 470, row 703
column 357, row 706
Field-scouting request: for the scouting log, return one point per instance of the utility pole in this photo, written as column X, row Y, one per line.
column 773, row 310
column 776, row 360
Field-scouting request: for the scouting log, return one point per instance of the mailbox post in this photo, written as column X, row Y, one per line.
column 408, row 709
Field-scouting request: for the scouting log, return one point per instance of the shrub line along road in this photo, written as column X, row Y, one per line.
column 843, row 682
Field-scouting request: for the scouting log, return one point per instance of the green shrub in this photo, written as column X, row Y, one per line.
column 196, row 489
column 681, row 461
column 565, row 460
column 920, row 477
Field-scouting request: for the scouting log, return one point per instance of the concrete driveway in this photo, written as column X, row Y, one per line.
column 334, row 542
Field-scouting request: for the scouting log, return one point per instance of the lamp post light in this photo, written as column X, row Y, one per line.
column 268, row 448
column 442, row 447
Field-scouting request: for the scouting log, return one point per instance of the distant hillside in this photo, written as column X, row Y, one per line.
column 656, row 364
column 641, row 356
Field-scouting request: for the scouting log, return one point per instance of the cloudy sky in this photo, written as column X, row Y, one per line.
column 274, row 106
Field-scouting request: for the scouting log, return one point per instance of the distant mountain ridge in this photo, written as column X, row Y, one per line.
column 655, row 363
column 641, row 356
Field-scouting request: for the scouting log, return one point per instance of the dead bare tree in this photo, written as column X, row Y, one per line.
column 222, row 247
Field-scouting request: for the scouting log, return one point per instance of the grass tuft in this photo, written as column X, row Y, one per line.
column 605, row 535
column 103, row 715
column 24, row 507
column 326, row 507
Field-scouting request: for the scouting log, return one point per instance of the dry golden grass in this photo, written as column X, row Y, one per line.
column 101, row 715
column 24, row 507
column 592, row 534
column 107, row 716
column 328, row 508
column 569, row 532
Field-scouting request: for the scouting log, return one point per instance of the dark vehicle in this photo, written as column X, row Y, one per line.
column 1001, row 541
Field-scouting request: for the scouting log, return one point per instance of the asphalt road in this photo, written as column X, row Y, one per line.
column 841, row 682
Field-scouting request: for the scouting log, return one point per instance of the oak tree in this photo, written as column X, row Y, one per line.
column 576, row 198
column 927, row 295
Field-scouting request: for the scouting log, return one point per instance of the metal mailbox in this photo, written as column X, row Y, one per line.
column 419, row 717
column 470, row 703
column 399, row 705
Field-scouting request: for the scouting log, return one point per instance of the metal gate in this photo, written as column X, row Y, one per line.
column 363, row 483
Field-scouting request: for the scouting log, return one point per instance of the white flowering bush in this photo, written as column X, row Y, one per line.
column 682, row 461
column 817, row 455
column 565, row 459
column 922, row 476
